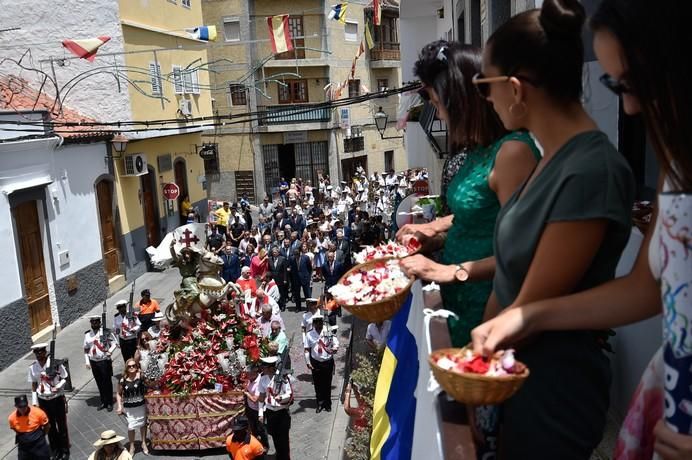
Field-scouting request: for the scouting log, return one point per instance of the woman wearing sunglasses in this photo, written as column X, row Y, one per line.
column 130, row 398
column 496, row 164
column 562, row 232
column 652, row 78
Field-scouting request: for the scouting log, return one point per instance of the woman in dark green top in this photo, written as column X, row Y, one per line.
column 496, row 164
column 562, row 232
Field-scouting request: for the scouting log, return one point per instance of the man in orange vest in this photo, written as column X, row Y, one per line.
column 241, row 444
column 147, row 309
column 31, row 425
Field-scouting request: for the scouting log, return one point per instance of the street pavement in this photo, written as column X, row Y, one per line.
column 312, row 436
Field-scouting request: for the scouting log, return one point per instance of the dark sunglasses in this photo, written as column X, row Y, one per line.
column 482, row 82
column 131, row 365
column 616, row 86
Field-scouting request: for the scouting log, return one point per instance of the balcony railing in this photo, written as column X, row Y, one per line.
column 354, row 144
column 385, row 51
column 295, row 113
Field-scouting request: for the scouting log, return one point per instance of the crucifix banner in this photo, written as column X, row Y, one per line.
column 190, row 236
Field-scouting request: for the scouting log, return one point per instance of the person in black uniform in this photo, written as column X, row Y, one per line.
column 31, row 426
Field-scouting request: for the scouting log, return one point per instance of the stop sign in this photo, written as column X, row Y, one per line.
column 171, row 191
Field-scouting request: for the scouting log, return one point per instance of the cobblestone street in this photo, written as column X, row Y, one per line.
column 312, row 436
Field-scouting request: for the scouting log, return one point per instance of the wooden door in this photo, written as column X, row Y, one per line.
column 181, row 182
column 33, row 266
column 151, row 215
column 109, row 240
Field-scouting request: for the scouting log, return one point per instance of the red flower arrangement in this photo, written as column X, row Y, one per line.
column 197, row 349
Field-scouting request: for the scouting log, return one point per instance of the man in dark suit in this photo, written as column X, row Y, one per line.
column 332, row 271
column 343, row 249
column 301, row 274
column 278, row 267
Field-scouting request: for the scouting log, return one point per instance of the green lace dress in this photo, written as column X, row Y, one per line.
column 475, row 207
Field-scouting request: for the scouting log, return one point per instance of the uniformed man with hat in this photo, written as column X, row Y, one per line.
column 30, row 425
column 241, row 444
column 320, row 346
column 274, row 401
column 127, row 330
column 97, row 357
column 47, row 382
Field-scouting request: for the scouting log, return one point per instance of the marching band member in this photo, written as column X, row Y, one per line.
column 320, row 347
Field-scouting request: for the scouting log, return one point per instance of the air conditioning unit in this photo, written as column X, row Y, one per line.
column 135, row 164
column 186, row 107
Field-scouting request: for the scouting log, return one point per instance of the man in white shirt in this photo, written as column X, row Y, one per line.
column 97, row 357
column 265, row 320
column 127, row 330
column 252, row 405
column 376, row 334
column 306, row 323
column 47, row 384
column 320, row 347
column 274, row 401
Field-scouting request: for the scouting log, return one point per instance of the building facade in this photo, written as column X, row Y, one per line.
column 294, row 132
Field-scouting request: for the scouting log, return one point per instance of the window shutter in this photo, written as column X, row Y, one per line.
column 155, row 76
column 178, row 79
column 187, row 81
column 195, row 82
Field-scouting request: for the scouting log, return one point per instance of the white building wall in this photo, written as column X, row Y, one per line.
column 11, row 282
column 98, row 96
column 73, row 208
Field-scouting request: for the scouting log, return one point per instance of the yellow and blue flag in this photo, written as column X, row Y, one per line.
column 205, row 33
column 338, row 12
column 394, row 407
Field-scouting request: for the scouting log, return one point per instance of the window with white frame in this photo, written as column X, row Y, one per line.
column 178, row 79
column 155, row 77
column 231, row 29
column 186, row 3
column 351, row 31
column 190, row 81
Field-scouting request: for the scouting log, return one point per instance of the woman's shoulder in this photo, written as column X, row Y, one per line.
column 518, row 136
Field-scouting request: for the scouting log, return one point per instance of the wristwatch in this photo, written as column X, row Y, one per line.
column 461, row 275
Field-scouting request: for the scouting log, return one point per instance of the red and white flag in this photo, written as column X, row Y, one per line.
column 376, row 12
column 279, row 33
column 85, row 49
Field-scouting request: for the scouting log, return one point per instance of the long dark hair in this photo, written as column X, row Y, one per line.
column 448, row 68
column 654, row 41
column 544, row 45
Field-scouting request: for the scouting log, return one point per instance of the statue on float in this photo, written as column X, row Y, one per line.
column 202, row 284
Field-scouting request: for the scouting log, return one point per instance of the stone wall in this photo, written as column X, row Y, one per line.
column 15, row 336
column 91, row 288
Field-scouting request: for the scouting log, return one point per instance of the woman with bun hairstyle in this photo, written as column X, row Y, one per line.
column 562, row 232
column 638, row 47
column 497, row 162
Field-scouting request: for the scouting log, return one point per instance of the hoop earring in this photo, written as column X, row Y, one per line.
column 513, row 109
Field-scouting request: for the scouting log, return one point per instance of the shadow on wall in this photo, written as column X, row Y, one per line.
column 15, row 337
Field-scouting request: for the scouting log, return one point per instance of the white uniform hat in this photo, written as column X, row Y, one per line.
column 317, row 315
column 120, row 302
column 270, row 359
column 39, row 346
column 92, row 317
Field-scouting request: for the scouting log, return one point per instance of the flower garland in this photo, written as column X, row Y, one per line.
column 211, row 350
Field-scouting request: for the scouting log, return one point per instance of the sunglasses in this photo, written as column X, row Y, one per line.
column 616, row 86
column 483, row 83
column 131, row 365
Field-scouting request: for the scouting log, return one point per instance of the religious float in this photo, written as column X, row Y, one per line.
column 196, row 368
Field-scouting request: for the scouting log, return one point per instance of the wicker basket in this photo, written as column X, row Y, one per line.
column 474, row 389
column 377, row 311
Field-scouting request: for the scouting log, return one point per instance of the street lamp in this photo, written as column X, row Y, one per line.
column 119, row 142
column 381, row 123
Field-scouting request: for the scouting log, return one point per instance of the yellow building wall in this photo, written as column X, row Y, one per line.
column 165, row 14
column 151, row 108
column 235, row 152
column 129, row 188
column 313, row 19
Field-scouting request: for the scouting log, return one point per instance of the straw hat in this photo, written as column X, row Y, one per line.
column 108, row 437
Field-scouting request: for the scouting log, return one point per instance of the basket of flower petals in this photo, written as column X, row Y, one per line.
column 389, row 249
column 373, row 291
column 475, row 380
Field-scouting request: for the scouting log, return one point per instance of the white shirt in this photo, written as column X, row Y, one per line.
column 94, row 349
column 307, row 321
column 266, row 387
column 45, row 385
column 272, row 290
column 254, row 310
column 321, row 348
column 376, row 335
column 154, row 331
column 253, row 389
column 125, row 328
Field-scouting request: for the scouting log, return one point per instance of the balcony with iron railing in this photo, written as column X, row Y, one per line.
column 295, row 113
column 385, row 51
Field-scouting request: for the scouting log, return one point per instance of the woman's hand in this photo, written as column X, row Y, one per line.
column 671, row 445
column 425, row 269
column 508, row 327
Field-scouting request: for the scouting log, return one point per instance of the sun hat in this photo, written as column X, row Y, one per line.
column 108, row 437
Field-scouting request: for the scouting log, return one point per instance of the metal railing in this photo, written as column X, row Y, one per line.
column 295, row 113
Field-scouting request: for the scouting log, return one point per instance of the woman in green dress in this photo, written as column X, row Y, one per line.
column 496, row 164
